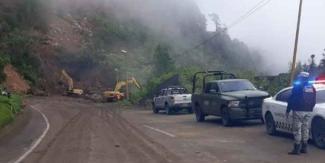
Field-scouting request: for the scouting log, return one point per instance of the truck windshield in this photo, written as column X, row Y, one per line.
column 238, row 85
column 178, row 91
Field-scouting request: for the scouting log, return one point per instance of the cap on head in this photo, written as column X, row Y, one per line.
column 303, row 75
column 302, row 79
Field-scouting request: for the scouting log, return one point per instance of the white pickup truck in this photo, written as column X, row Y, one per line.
column 172, row 99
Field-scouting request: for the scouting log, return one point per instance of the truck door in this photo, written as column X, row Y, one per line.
column 159, row 99
column 279, row 109
column 211, row 97
column 214, row 98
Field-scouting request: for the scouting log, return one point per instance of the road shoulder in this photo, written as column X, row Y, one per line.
column 18, row 137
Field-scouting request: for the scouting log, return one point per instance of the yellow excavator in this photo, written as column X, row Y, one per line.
column 116, row 94
column 71, row 91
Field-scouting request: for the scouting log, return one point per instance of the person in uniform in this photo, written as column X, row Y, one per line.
column 301, row 102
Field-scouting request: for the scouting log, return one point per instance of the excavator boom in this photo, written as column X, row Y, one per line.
column 69, row 80
column 116, row 94
column 119, row 85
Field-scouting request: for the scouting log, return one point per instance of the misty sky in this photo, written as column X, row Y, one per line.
column 271, row 30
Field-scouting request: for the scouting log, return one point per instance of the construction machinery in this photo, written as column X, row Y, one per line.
column 116, row 94
column 71, row 91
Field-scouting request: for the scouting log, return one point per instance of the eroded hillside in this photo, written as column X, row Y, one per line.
column 100, row 41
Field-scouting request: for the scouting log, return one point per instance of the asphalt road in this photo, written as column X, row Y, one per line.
column 245, row 142
column 82, row 131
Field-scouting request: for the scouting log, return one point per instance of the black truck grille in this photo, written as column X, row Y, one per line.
column 254, row 102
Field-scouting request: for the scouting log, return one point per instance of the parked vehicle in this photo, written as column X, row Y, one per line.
column 172, row 99
column 274, row 113
column 226, row 96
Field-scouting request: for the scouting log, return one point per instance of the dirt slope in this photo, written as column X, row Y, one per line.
column 14, row 81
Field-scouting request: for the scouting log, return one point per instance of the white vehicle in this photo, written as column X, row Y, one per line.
column 274, row 114
column 172, row 99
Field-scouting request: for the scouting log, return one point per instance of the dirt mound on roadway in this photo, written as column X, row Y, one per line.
column 14, row 81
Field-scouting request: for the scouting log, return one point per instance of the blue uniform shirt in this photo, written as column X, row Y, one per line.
column 303, row 98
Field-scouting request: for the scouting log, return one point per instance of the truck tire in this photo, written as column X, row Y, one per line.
column 155, row 110
column 226, row 120
column 270, row 124
column 168, row 109
column 200, row 117
column 318, row 132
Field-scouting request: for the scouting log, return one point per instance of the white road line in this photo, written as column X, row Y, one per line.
column 160, row 131
column 38, row 141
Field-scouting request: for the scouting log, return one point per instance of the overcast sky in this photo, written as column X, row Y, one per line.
column 271, row 30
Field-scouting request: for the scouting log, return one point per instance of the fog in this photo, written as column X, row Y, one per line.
column 271, row 30
column 181, row 25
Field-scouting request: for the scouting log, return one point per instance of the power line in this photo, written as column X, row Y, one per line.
column 258, row 6
column 250, row 12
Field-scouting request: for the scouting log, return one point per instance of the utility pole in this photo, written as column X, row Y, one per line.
column 294, row 59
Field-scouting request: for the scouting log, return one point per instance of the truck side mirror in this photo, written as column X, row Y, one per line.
column 213, row 91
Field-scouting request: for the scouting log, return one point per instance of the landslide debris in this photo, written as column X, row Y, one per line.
column 14, row 81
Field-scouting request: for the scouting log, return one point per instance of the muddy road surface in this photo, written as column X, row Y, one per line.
column 85, row 132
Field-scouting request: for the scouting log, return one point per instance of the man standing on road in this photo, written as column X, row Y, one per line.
column 302, row 102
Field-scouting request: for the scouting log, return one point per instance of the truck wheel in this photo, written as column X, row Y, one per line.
column 190, row 110
column 155, row 109
column 270, row 124
column 168, row 110
column 200, row 117
column 318, row 132
column 226, row 120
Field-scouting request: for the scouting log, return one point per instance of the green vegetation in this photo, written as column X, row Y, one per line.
column 185, row 77
column 4, row 60
column 19, row 51
column 162, row 61
column 271, row 84
column 16, row 44
column 9, row 107
column 31, row 14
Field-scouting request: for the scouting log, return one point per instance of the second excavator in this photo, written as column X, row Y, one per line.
column 116, row 94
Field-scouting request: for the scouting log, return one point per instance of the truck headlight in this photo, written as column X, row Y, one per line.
column 234, row 104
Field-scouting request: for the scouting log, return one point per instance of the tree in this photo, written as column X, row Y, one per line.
column 313, row 70
column 219, row 27
column 162, row 61
column 215, row 18
column 321, row 66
